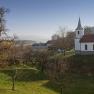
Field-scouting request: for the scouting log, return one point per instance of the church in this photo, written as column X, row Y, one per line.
column 84, row 43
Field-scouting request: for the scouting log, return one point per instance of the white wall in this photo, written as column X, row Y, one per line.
column 81, row 33
column 89, row 46
column 77, row 44
column 77, row 39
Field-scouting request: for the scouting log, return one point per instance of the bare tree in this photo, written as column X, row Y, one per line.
column 88, row 30
column 3, row 29
column 70, row 36
column 65, row 39
column 60, row 42
column 3, row 12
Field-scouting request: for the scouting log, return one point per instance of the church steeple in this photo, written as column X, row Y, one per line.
column 79, row 33
column 79, row 27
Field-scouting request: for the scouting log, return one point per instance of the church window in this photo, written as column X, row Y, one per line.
column 78, row 32
column 85, row 46
column 93, row 46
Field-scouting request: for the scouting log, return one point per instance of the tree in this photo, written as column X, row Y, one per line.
column 41, row 58
column 70, row 36
column 27, row 54
column 3, row 29
column 55, row 37
column 61, row 32
column 3, row 12
column 13, row 78
column 88, row 30
column 57, row 71
column 61, row 42
column 65, row 39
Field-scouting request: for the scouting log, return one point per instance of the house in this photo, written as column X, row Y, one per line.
column 84, row 43
column 50, row 43
column 51, row 46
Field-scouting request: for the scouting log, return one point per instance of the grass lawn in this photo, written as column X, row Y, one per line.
column 25, row 83
column 32, row 81
column 84, row 85
column 26, row 88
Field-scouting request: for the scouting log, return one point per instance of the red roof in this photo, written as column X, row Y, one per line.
column 87, row 38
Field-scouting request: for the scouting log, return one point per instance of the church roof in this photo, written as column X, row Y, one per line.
column 87, row 38
column 79, row 27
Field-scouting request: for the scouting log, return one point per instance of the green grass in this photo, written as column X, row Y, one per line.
column 74, row 85
column 26, row 88
column 61, row 55
column 80, row 78
column 27, row 82
column 32, row 81
column 79, row 84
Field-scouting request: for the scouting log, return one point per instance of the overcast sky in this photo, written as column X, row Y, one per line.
column 39, row 19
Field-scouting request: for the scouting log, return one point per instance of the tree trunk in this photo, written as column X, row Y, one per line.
column 42, row 67
column 64, row 52
column 13, row 80
column 61, row 91
column 13, row 83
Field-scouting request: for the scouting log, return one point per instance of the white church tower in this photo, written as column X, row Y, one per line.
column 79, row 32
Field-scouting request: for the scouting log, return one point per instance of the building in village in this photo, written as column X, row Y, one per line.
column 84, row 43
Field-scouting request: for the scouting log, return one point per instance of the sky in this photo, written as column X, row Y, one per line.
column 38, row 20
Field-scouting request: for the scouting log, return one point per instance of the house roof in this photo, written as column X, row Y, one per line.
column 87, row 38
column 51, row 41
column 79, row 27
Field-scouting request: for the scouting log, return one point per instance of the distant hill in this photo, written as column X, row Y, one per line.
column 25, row 42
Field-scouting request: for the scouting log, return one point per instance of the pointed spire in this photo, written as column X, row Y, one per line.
column 79, row 27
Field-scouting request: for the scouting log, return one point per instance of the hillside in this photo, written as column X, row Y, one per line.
column 83, row 64
column 27, row 82
column 26, row 42
column 34, row 82
column 78, row 79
